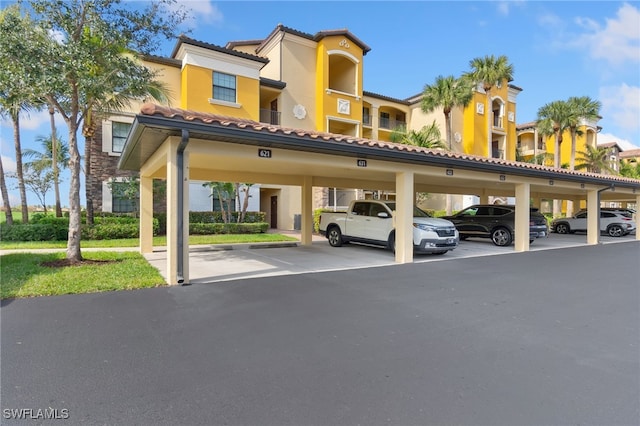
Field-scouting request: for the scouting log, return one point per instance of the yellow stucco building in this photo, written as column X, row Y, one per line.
column 315, row 82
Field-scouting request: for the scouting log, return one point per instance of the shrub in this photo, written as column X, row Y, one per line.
column 34, row 232
column 116, row 229
column 227, row 228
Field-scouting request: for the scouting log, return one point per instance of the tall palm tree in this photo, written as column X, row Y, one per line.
column 489, row 71
column 581, row 108
column 595, row 160
column 446, row 93
column 54, row 155
column 554, row 115
column 5, row 196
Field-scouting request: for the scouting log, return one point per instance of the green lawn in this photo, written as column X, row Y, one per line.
column 157, row 241
column 24, row 275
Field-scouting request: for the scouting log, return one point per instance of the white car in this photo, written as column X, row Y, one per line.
column 614, row 223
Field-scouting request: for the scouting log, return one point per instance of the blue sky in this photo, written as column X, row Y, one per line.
column 558, row 49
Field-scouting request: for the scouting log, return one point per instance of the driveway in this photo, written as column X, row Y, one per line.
column 545, row 337
column 223, row 263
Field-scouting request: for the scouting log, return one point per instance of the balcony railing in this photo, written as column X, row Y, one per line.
column 270, row 117
column 497, row 153
column 391, row 124
column 366, row 120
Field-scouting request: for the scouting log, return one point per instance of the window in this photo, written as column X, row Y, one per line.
column 366, row 117
column 385, row 120
column 224, row 87
column 119, row 135
column 120, row 203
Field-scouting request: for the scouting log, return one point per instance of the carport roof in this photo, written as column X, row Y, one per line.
column 155, row 123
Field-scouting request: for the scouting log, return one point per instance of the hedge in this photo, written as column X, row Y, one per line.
column 227, row 228
column 33, row 232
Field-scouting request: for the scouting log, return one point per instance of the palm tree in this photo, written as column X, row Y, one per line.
column 489, row 71
column 595, row 160
column 5, row 196
column 428, row 137
column 554, row 116
column 447, row 93
column 43, row 160
column 582, row 108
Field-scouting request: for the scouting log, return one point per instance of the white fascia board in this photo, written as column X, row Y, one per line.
column 223, row 62
column 513, row 94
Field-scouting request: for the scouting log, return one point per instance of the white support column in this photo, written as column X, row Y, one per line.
column 306, row 223
column 636, row 217
column 522, row 219
column 185, row 218
column 593, row 233
column 146, row 214
column 404, row 217
column 172, row 209
column 375, row 121
column 484, row 197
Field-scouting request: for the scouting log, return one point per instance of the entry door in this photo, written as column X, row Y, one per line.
column 274, row 212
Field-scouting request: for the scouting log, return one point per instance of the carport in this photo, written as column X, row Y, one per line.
column 179, row 145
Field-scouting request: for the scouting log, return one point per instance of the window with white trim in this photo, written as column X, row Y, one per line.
column 224, row 87
column 119, row 133
column 120, row 202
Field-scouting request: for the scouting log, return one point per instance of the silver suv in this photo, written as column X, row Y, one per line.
column 614, row 223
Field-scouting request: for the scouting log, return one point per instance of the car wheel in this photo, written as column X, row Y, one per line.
column 501, row 237
column 391, row 243
column 615, row 231
column 334, row 236
column 463, row 237
column 531, row 241
column 563, row 228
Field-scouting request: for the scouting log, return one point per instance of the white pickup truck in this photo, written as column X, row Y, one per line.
column 373, row 222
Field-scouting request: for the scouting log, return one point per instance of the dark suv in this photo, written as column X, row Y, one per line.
column 496, row 221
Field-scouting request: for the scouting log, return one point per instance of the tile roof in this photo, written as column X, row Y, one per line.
column 182, row 39
column 630, row 153
column 317, row 37
column 226, row 121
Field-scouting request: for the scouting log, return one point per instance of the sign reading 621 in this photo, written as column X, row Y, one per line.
column 264, row 153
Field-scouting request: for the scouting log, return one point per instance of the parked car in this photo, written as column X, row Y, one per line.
column 614, row 223
column 632, row 212
column 371, row 222
column 497, row 222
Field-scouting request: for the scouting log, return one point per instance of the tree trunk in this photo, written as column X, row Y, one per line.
column 19, row 171
column 88, row 179
column 5, row 196
column 54, row 162
column 73, row 242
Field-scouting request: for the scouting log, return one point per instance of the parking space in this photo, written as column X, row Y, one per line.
column 210, row 264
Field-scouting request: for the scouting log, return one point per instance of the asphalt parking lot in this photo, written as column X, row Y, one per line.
column 547, row 337
column 215, row 263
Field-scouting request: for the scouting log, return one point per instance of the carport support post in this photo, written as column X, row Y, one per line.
column 523, row 191
column 175, row 189
column 404, row 217
column 306, row 222
column 146, row 214
column 593, row 204
column 636, row 217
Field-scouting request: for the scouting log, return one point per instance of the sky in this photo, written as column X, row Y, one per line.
column 558, row 49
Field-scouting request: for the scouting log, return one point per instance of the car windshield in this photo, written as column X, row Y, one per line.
column 416, row 211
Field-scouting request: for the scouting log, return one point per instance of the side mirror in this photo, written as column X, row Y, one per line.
column 384, row 215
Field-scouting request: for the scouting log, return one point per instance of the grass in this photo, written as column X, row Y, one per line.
column 24, row 275
column 157, row 241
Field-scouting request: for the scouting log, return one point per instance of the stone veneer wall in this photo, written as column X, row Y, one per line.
column 103, row 167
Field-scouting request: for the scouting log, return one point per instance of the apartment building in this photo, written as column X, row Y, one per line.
column 312, row 82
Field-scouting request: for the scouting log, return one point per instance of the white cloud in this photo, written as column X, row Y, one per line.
column 8, row 165
column 504, row 7
column 201, row 10
column 617, row 42
column 623, row 143
column 621, row 105
column 29, row 121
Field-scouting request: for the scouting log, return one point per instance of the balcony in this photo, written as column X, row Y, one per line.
column 391, row 124
column 497, row 153
column 366, row 120
column 270, row 117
